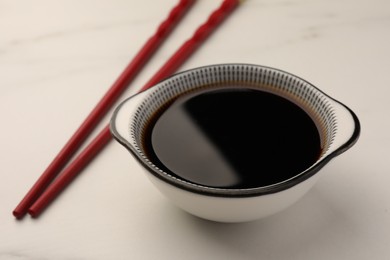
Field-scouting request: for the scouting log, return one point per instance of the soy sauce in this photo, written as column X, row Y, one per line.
column 233, row 138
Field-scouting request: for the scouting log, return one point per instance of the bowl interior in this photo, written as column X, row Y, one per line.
column 155, row 100
column 313, row 101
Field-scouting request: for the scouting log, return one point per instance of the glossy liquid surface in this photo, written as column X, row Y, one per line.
column 233, row 138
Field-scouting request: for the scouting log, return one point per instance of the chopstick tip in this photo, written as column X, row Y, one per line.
column 18, row 214
column 32, row 213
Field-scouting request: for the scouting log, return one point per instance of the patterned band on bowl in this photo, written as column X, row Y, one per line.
column 302, row 93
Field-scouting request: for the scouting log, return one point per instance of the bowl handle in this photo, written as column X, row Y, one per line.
column 348, row 128
column 120, row 120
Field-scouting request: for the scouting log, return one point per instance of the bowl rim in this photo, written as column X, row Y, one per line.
column 244, row 192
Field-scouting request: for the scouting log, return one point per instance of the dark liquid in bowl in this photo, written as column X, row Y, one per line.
column 233, row 138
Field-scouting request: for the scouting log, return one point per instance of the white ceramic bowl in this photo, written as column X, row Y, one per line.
column 338, row 126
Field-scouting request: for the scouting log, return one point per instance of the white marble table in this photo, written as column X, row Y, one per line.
column 57, row 58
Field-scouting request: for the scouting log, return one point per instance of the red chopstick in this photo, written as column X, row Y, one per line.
column 104, row 136
column 103, row 106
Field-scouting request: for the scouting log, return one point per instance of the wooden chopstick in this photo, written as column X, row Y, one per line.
column 146, row 52
column 104, row 136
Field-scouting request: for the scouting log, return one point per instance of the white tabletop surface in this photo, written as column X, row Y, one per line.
column 57, row 58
